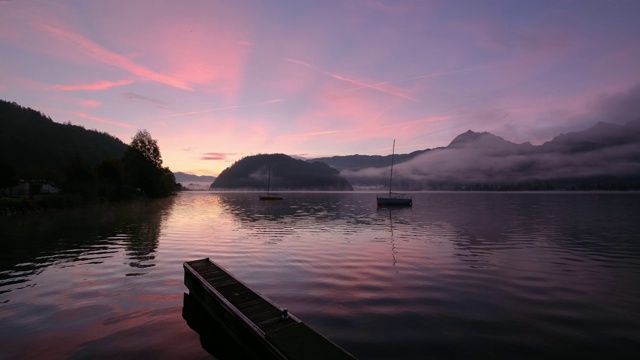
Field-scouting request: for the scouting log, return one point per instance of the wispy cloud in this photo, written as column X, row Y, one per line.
column 133, row 96
column 105, row 121
column 101, row 85
column 382, row 87
column 108, row 57
column 216, row 156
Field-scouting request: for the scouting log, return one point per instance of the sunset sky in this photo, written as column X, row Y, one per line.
column 214, row 81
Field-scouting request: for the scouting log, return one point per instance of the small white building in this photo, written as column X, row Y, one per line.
column 48, row 188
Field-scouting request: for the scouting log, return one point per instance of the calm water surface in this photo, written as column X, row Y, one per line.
column 459, row 275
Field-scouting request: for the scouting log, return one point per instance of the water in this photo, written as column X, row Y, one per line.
column 459, row 275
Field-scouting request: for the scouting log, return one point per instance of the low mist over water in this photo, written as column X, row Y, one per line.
column 458, row 275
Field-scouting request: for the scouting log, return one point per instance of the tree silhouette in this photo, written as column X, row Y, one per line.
column 34, row 145
column 143, row 167
column 148, row 147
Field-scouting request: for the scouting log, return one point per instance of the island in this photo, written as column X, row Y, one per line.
column 287, row 173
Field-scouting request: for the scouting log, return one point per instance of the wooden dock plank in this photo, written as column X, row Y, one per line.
column 247, row 307
column 247, row 298
column 228, row 298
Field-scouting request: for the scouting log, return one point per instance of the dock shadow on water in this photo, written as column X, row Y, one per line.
column 218, row 342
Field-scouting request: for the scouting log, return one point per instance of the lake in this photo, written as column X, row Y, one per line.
column 459, row 275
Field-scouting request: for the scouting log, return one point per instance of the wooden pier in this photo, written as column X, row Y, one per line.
column 254, row 320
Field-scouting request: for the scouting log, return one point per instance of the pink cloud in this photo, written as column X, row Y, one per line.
column 203, row 47
column 108, row 57
column 207, row 47
column 357, row 114
column 364, row 116
column 201, row 172
column 102, row 85
column 216, row 156
column 217, row 68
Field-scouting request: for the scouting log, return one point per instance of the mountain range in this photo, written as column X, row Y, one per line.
column 605, row 156
column 194, row 182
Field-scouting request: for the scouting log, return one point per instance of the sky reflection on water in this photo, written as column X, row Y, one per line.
column 457, row 275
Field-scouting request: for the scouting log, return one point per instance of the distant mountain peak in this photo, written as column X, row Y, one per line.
column 601, row 133
column 603, row 125
column 477, row 138
column 186, row 177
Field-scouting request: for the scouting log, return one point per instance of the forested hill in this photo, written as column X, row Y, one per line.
column 287, row 173
column 33, row 144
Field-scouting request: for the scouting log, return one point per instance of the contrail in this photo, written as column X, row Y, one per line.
column 443, row 73
column 222, row 108
column 353, row 81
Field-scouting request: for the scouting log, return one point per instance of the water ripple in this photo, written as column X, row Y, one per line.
column 458, row 274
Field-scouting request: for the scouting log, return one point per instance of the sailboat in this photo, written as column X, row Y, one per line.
column 270, row 196
column 393, row 199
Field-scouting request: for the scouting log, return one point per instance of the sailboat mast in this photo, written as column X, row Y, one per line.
column 393, row 150
column 269, row 181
